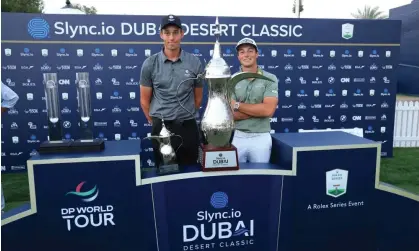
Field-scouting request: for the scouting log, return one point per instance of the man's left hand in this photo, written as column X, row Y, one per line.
column 232, row 103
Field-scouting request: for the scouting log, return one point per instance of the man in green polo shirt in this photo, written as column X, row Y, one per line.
column 254, row 102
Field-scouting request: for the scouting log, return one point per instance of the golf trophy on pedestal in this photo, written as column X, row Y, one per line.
column 86, row 141
column 217, row 125
column 167, row 154
column 55, row 142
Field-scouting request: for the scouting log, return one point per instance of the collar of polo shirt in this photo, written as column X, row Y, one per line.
column 164, row 58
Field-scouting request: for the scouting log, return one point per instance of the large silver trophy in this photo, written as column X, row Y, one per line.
column 55, row 140
column 217, row 125
column 167, row 162
column 86, row 141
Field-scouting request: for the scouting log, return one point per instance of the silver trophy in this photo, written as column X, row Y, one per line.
column 217, row 125
column 84, row 105
column 168, row 161
column 55, row 140
column 86, row 141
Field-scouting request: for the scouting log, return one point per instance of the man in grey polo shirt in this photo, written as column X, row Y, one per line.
column 9, row 99
column 254, row 102
column 161, row 95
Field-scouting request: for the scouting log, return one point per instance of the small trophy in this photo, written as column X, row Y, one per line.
column 84, row 106
column 86, row 141
column 168, row 161
column 217, row 153
column 55, row 142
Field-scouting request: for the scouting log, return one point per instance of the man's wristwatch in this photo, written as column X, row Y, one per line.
column 236, row 106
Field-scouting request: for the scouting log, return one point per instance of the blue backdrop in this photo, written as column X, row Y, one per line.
column 332, row 73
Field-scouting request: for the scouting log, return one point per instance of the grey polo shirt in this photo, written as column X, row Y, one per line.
column 165, row 76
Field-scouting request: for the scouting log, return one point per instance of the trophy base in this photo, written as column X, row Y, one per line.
column 218, row 158
column 68, row 146
column 57, row 146
column 88, row 145
column 168, row 169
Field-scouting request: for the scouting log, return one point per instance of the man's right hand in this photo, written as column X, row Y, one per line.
column 240, row 116
column 145, row 99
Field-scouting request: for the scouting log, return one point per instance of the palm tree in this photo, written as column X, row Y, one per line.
column 369, row 13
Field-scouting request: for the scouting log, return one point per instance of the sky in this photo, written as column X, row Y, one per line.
column 255, row 8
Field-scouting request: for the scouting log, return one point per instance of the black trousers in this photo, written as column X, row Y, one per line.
column 187, row 154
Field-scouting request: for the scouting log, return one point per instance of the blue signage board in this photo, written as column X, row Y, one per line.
column 332, row 73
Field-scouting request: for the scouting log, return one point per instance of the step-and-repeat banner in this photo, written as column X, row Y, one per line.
column 332, row 73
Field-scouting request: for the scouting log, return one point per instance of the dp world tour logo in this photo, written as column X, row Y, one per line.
column 91, row 216
column 38, row 28
column 220, row 226
column 87, row 196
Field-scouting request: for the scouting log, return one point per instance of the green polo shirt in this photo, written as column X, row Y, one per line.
column 253, row 92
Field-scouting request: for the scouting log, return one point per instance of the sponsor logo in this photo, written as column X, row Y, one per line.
column 318, row 54
column 329, row 119
column 291, row 54
column 359, row 80
column 38, row 28
column 87, row 216
column 336, row 182
column 317, row 81
column 347, row 31
column 356, row 118
column 61, row 53
column 304, row 67
column 302, row 106
column 369, row 130
column 86, row 196
column 302, row 94
column 330, row 93
column 331, row 67
column 345, row 80
column 230, row 228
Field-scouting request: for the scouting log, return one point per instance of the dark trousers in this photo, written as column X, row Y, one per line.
column 187, row 154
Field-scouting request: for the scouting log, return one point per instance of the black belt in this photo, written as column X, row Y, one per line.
column 176, row 121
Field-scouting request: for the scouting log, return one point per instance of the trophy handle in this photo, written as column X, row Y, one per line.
column 239, row 76
column 173, row 135
column 152, row 137
column 198, row 76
